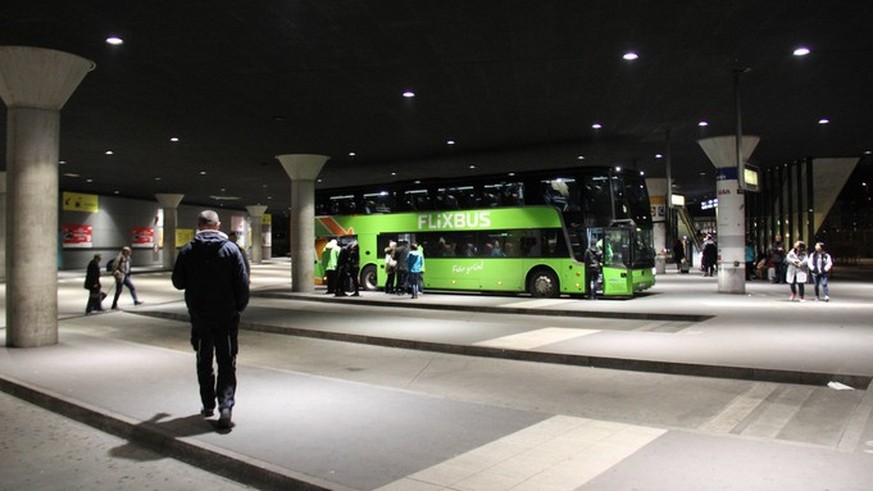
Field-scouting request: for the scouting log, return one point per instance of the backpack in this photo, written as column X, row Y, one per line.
column 110, row 265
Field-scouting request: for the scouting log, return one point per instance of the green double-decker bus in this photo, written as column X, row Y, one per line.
column 519, row 232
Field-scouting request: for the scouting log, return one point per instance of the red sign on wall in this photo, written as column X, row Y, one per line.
column 78, row 236
column 142, row 237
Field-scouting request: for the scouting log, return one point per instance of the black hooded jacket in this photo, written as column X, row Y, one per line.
column 212, row 272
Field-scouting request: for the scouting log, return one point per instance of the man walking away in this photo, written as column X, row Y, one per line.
column 212, row 272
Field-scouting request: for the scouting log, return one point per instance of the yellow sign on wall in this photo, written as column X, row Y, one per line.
column 183, row 236
column 88, row 203
column 267, row 219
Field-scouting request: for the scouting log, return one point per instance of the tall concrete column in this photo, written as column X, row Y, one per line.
column 257, row 214
column 2, row 225
column 170, row 204
column 731, row 212
column 658, row 200
column 34, row 84
column 302, row 169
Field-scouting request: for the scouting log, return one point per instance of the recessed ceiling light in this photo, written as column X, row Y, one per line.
column 511, row 174
column 114, row 40
column 409, row 94
column 62, row 162
column 110, row 152
column 70, row 174
column 704, row 173
column 801, row 51
column 319, row 180
column 352, row 154
column 89, row 180
column 630, row 56
column 824, row 121
column 393, row 173
column 642, row 173
column 203, row 173
column 174, row 139
column 659, row 156
column 596, row 126
column 703, row 124
column 450, row 142
column 580, row 157
column 472, row 166
column 618, row 168
column 157, row 179
column 418, row 181
column 868, row 152
column 116, row 192
column 223, row 189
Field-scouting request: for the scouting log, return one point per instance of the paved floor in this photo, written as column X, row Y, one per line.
column 367, row 393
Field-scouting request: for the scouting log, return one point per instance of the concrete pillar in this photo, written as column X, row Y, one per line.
column 302, row 169
column 170, row 204
column 2, row 225
column 731, row 213
column 257, row 214
column 34, row 84
column 658, row 200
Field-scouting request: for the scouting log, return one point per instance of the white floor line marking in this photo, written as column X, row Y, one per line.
column 533, row 304
column 738, row 409
column 536, row 338
column 560, row 453
column 778, row 414
column 855, row 428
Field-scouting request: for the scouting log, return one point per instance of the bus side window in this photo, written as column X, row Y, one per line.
column 530, row 247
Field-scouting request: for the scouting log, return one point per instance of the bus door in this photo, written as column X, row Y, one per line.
column 616, row 250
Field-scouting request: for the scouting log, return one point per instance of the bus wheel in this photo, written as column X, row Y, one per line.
column 543, row 283
column 368, row 278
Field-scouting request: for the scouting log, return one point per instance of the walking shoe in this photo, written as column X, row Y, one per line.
column 792, row 298
column 224, row 418
column 207, row 412
column 137, row 302
column 827, row 298
column 816, row 298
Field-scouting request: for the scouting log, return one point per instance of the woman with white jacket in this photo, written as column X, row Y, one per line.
column 795, row 273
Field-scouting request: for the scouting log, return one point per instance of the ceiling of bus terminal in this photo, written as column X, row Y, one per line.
column 515, row 84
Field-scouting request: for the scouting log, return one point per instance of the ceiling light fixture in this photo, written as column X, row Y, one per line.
column 824, row 121
column 409, row 94
column 174, row 139
column 596, row 126
column 114, row 41
column 110, row 152
column 659, row 156
column 580, row 157
column 203, row 173
column 472, row 166
column 62, row 162
column 630, row 56
column 703, row 124
column 450, row 142
column 801, row 51
column 352, row 154
column 157, row 179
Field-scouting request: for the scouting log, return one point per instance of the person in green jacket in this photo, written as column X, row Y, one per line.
column 329, row 258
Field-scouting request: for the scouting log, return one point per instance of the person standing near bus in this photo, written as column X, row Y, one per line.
column 353, row 267
column 329, row 258
column 777, row 256
column 390, row 267
column 592, row 259
column 415, row 261
column 401, row 254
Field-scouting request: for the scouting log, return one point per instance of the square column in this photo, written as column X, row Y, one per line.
column 170, row 204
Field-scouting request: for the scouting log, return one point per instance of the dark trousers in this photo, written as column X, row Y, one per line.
column 331, row 280
column 95, row 300
column 389, row 282
column 401, row 281
column 216, row 339
column 125, row 282
column 780, row 272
